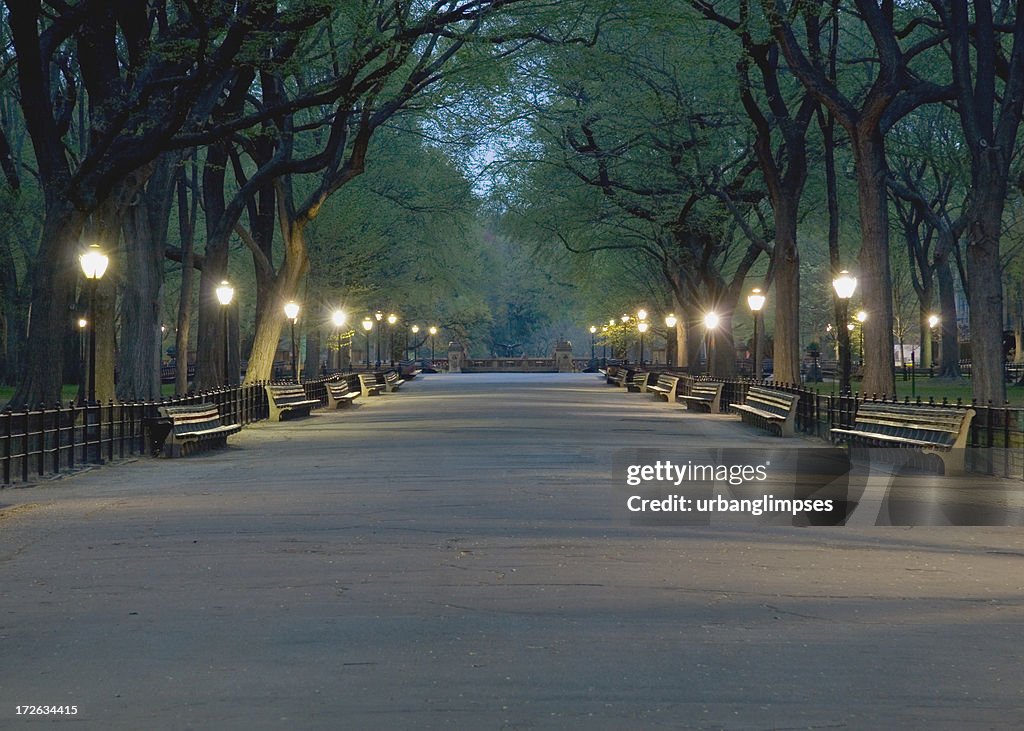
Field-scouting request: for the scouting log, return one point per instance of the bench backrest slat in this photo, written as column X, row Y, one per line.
column 288, row 394
column 188, row 414
column 186, row 419
column 936, row 424
column 776, row 402
column 705, row 388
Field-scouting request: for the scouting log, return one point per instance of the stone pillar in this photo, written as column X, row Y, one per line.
column 563, row 357
column 456, row 357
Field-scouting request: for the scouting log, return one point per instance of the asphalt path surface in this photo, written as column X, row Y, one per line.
column 457, row 555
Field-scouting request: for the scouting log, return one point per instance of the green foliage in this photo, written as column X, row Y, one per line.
column 403, row 237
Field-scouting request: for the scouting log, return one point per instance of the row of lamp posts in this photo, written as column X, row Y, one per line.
column 711, row 323
column 392, row 319
column 225, row 294
column 94, row 264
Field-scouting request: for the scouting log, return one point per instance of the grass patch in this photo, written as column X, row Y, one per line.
column 932, row 388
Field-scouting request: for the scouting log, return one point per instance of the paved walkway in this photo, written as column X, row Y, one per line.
column 454, row 556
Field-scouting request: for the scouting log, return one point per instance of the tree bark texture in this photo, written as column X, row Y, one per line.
column 142, row 296
column 986, row 295
column 875, row 275
column 272, row 319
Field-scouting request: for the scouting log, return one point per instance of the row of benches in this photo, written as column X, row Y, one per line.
column 934, row 430
column 196, row 427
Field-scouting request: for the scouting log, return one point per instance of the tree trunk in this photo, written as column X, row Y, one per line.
column 723, row 348
column 840, row 307
column 313, row 363
column 272, row 319
column 54, row 277
column 106, row 338
column 186, row 228
column 694, row 340
column 681, row 350
column 875, row 276
column 986, row 295
column 104, row 228
column 142, row 300
column 13, row 311
column 786, row 269
column 145, row 229
column 210, row 337
column 1018, row 326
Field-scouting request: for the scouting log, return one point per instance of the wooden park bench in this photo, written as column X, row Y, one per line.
column 194, row 428
column 371, row 384
column 770, row 410
column 408, row 369
column 704, row 394
column 938, row 430
column 392, row 381
column 339, row 393
column 620, row 377
column 288, row 399
column 666, row 387
column 638, row 382
column 609, row 371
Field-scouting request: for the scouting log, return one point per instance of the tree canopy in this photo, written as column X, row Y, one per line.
column 511, row 171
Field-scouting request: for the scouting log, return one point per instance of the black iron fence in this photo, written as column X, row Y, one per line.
column 48, row 440
column 995, row 444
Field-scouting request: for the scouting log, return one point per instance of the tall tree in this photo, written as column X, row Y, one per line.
column 895, row 87
column 781, row 119
column 379, row 60
column 927, row 163
column 989, row 82
column 146, row 71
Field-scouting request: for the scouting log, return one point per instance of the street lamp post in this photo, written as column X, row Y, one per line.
column 82, row 324
column 755, row 301
column 392, row 319
column 291, row 311
column 379, row 317
column 593, row 346
column 338, row 318
column 670, row 339
column 845, row 284
column 850, row 327
column 913, row 369
column 367, row 327
column 641, row 319
column 833, row 334
column 94, row 264
column 933, row 322
column 711, row 320
column 625, row 340
column 862, row 317
column 415, row 343
column 604, row 346
column 433, row 331
column 226, row 293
